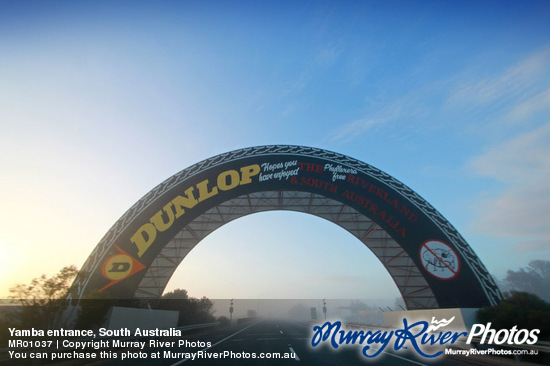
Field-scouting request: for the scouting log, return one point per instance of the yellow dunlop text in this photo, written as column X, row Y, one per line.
column 161, row 221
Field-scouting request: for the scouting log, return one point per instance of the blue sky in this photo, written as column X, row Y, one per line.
column 101, row 101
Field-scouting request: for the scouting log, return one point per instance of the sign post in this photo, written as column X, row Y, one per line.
column 230, row 311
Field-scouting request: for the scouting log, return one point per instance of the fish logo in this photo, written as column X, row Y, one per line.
column 439, row 324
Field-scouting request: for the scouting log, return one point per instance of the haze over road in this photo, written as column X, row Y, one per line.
column 266, row 340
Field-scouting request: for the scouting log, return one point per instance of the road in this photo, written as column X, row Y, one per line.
column 259, row 343
column 263, row 342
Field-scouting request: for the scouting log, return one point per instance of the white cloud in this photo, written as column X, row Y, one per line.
column 352, row 129
column 528, row 108
column 511, row 82
column 531, row 246
column 523, row 158
column 382, row 115
column 522, row 209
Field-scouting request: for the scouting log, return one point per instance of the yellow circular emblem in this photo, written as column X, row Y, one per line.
column 118, row 267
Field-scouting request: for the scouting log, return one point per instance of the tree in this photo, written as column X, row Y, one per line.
column 43, row 299
column 534, row 279
column 43, row 290
column 521, row 309
column 176, row 294
column 191, row 310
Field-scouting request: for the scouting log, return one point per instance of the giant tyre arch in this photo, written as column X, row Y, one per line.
column 430, row 262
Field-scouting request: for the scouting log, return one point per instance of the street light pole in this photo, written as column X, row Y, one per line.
column 230, row 311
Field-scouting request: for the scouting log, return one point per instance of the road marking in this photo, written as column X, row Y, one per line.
column 281, row 332
column 293, row 351
column 215, row 344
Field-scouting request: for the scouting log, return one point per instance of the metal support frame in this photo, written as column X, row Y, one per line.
column 413, row 287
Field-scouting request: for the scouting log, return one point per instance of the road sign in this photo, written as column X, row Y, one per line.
column 439, row 259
